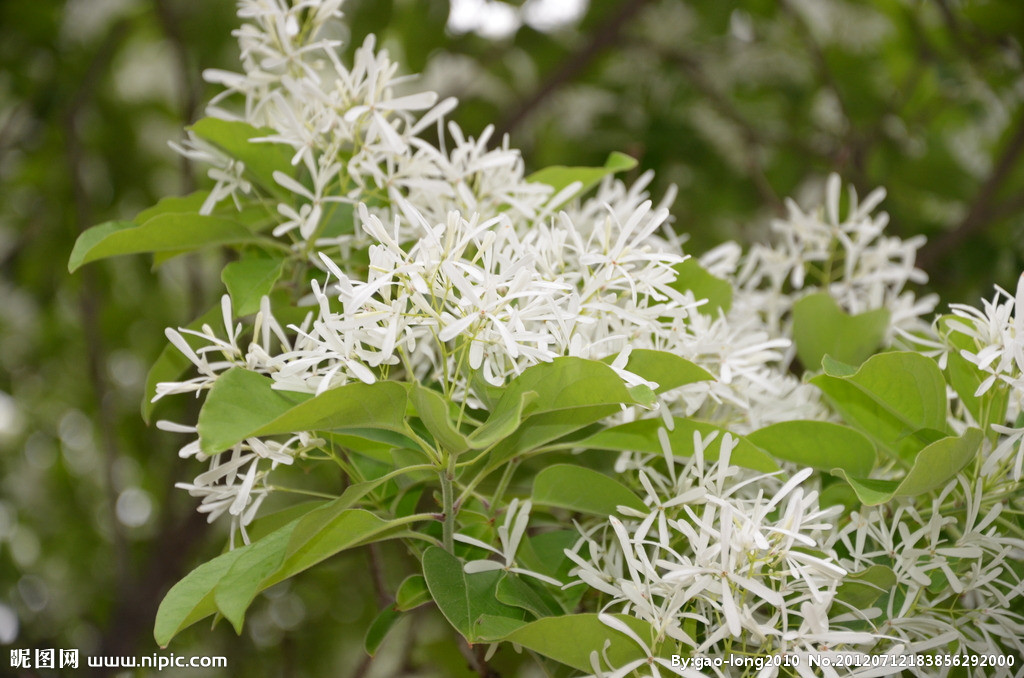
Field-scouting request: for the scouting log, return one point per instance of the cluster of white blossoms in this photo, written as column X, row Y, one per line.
column 454, row 269
column 722, row 559
column 468, row 267
column 844, row 252
column 997, row 330
column 957, row 576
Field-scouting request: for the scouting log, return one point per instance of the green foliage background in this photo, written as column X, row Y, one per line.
column 740, row 104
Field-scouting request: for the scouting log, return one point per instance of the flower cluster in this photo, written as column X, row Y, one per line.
column 955, row 575
column 470, row 267
column 443, row 263
column 845, row 253
column 722, row 557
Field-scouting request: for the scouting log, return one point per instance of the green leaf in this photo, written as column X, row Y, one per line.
column 818, row 444
column 870, row 491
column 939, row 463
column 691, row 276
column 569, row 639
column 584, row 490
column 163, row 233
column 321, row 534
column 464, row 598
column 545, row 553
column 821, row 327
column 567, row 383
column 238, row 405
column 666, row 369
column 252, row 216
column 249, row 280
column 504, row 420
column 520, row 592
column 379, row 628
column 191, row 599
column 837, row 368
column 261, row 159
column 412, row 593
column 266, row 524
column 546, row 427
column 242, row 404
column 860, row 590
column 238, row 587
column 890, row 398
column 935, row 465
column 188, row 204
column 171, row 364
column 316, row 536
column 433, row 410
column 560, row 176
column 642, row 436
column 570, row 394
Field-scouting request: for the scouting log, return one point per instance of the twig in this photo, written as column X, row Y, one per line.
column 380, row 586
column 755, row 139
column 983, row 208
column 88, row 297
column 474, row 656
column 189, row 93
column 364, row 667
column 604, row 37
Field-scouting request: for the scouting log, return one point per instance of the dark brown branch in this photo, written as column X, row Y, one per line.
column 380, row 585
column 96, row 358
column 474, row 656
column 755, row 139
column 818, row 57
column 188, row 88
column 604, row 37
column 983, row 208
column 189, row 93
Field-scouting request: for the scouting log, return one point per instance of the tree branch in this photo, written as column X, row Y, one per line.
column 604, row 37
column 983, row 208
column 188, row 88
column 96, row 359
column 756, row 139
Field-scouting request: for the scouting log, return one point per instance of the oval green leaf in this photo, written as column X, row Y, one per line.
column 818, row 444
column 583, row 490
column 821, row 327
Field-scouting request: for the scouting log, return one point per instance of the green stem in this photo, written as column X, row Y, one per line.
column 506, row 478
column 308, row 493
column 448, row 504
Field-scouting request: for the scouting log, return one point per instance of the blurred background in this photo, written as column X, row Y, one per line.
column 739, row 104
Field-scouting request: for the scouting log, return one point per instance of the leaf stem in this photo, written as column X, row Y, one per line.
column 506, row 478
column 447, row 476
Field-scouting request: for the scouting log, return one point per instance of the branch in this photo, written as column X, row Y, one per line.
column 755, row 138
column 188, row 88
column 380, row 585
column 818, row 56
column 89, row 304
column 474, row 656
column 604, row 37
column 983, row 208
column 189, row 93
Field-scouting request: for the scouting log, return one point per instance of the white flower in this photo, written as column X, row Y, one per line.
column 998, row 332
column 510, row 534
column 649, row 661
column 722, row 554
